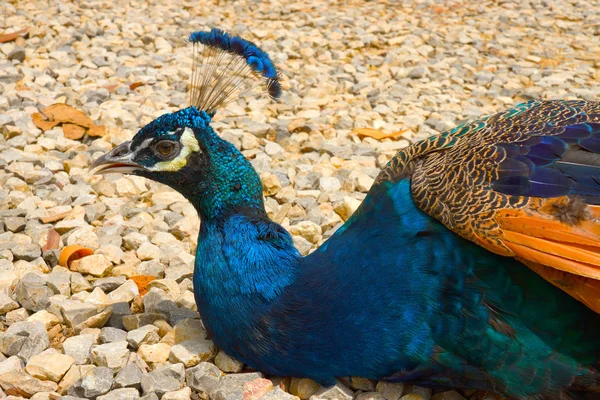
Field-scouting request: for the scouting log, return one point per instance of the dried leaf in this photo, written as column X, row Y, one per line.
column 42, row 122
column 73, row 131
column 9, row 37
column 74, row 122
column 398, row 134
column 378, row 134
column 142, row 282
column 72, row 253
column 111, row 88
column 548, row 62
column 53, row 241
column 67, row 114
column 97, row 130
column 135, row 85
column 22, row 87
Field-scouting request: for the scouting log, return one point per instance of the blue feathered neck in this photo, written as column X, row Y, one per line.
column 226, row 184
column 243, row 265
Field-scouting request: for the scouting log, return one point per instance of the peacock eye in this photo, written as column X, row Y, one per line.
column 165, row 148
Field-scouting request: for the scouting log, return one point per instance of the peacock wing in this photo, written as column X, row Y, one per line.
column 523, row 183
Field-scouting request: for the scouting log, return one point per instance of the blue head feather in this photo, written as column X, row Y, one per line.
column 217, row 179
column 258, row 60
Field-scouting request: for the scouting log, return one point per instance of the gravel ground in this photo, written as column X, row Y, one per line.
column 87, row 331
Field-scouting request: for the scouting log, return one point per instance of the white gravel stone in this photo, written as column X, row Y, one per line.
column 148, row 251
column 124, row 293
column 227, row 363
column 6, row 303
column 192, row 352
column 364, row 183
column 75, row 312
column 96, row 265
column 95, row 383
column 21, row 383
column 308, row 230
column 181, row 394
column 329, row 184
column 74, row 375
column 147, row 334
column 112, row 253
column 154, row 353
column 133, row 240
column 337, row 392
column 49, row 365
column 204, row 377
column 49, row 320
column 24, row 339
column 121, row 394
column 189, row 329
column 112, row 355
column 169, row 286
column 11, row 364
column 79, row 347
column 129, row 376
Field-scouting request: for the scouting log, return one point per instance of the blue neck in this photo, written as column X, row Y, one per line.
column 243, row 263
column 244, row 260
column 220, row 181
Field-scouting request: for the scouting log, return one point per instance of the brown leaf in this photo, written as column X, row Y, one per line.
column 97, row 130
column 42, row 122
column 73, row 131
column 22, row 86
column 548, row 62
column 9, row 37
column 67, row 114
column 135, row 85
column 111, row 88
column 439, row 9
column 378, row 134
column 74, row 122
column 53, row 240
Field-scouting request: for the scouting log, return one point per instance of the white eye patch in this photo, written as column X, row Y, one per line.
column 189, row 145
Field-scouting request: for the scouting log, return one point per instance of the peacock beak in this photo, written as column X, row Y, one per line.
column 118, row 160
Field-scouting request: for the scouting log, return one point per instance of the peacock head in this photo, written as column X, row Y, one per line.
column 182, row 150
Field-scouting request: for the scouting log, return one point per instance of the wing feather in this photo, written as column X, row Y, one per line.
column 523, row 183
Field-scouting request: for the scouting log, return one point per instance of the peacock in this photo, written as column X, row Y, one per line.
column 473, row 262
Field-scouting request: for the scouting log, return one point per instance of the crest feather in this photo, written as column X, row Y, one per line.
column 228, row 67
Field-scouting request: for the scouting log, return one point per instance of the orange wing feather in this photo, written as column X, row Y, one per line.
column 453, row 176
column 566, row 255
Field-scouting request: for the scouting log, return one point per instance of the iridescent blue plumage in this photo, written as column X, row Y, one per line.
column 393, row 294
column 538, row 167
column 257, row 59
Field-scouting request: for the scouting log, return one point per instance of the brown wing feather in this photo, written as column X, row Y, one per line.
column 452, row 177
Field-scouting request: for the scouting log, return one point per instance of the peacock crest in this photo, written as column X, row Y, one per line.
column 226, row 68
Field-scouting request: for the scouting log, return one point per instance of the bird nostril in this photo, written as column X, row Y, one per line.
column 121, row 151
